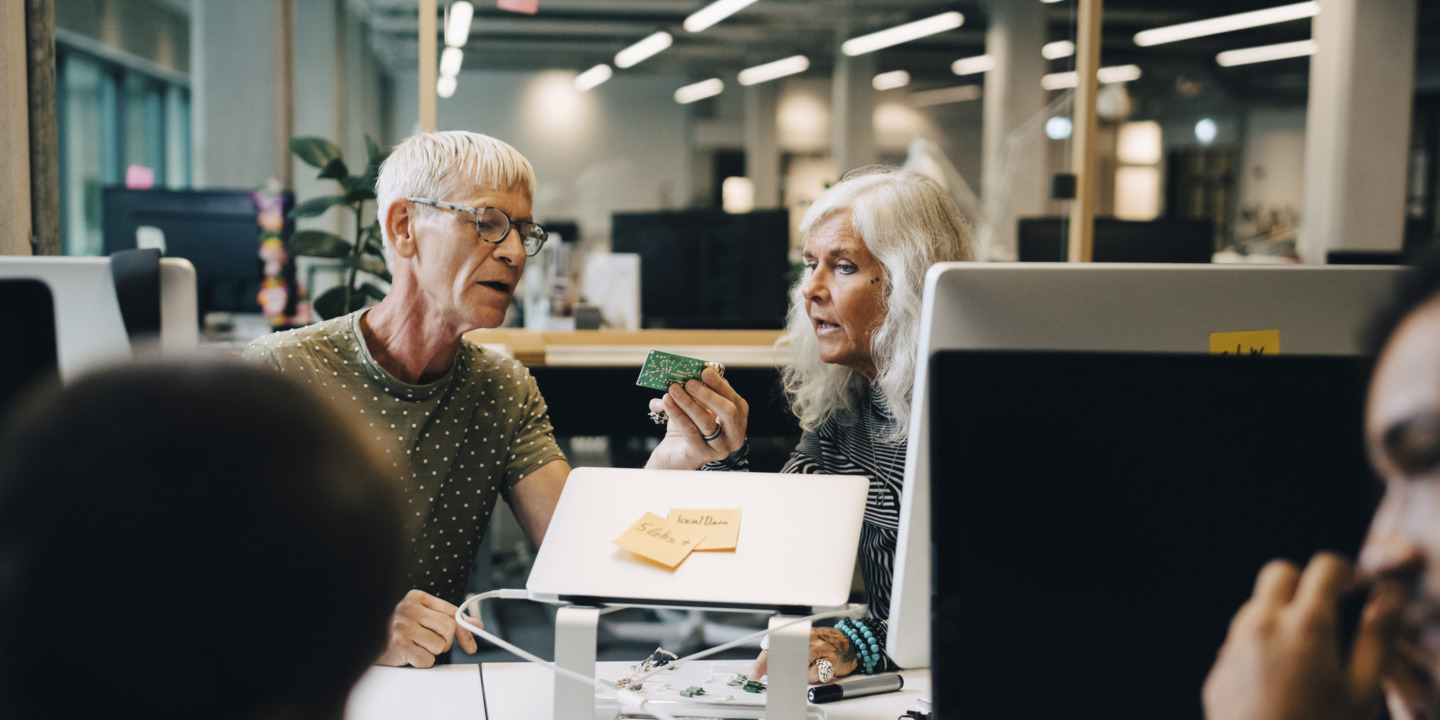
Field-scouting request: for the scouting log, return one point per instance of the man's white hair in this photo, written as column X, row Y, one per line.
column 440, row 165
column 908, row 222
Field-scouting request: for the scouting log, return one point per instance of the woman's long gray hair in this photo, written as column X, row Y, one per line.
column 909, row 223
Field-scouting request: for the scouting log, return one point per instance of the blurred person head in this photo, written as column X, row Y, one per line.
column 855, row 312
column 441, row 197
column 190, row 540
column 1402, row 429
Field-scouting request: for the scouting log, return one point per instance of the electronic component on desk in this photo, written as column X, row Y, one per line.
column 662, row 369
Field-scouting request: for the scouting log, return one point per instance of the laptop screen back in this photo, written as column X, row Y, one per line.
column 1099, row 517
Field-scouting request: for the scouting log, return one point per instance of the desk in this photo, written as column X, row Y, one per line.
column 613, row 348
column 522, row 691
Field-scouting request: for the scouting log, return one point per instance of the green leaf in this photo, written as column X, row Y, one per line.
column 334, row 170
column 315, row 151
column 318, row 243
column 372, row 291
column 368, row 263
column 360, row 194
column 374, row 154
column 331, row 303
column 316, row 206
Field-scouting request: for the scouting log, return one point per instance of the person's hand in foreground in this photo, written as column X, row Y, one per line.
column 422, row 627
column 1282, row 659
column 827, row 645
column 699, row 409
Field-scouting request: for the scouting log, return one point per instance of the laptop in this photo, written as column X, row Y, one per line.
column 795, row 551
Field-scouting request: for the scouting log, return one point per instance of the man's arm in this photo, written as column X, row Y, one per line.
column 533, row 499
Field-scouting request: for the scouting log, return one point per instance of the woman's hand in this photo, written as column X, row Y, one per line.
column 1282, row 659
column 827, row 645
column 699, row 409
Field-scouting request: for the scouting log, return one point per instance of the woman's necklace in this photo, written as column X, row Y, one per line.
column 870, row 435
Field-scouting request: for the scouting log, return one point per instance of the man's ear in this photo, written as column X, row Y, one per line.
column 400, row 226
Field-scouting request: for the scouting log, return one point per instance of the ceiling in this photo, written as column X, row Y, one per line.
column 578, row 34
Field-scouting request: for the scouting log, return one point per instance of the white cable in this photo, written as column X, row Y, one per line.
column 623, row 693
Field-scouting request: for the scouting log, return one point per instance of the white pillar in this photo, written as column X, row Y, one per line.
column 1357, row 127
column 762, row 143
column 852, row 110
column 232, row 71
column 1013, row 183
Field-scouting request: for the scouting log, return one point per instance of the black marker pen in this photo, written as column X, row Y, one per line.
column 859, row 687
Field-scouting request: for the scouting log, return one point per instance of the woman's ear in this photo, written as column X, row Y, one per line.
column 400, row 226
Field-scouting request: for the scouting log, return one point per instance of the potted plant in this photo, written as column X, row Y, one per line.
column 366, row 252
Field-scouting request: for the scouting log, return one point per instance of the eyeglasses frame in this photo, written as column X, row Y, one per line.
column 478, row 212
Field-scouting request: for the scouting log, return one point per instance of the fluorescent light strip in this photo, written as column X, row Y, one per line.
column 774, row 70
column 972, row 65
column 944, row 95
column 1228, row 23
column 1106, row 75
column 1266, row 53
column 891, row 80
column 699, row 91
column 633, row 55
column 902, row 33
column 594, row 76
column 457, row 26
column 445, row 86
column 714, row 13
column 1058, row 49
column 450, row 61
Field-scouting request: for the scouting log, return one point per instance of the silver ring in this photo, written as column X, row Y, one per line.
column 719, row 430
column 659, row 418
column 825, row 669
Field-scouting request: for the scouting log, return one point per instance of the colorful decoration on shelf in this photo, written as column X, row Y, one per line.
column 275, row 287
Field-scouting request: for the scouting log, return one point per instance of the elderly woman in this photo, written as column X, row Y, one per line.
column 853, row 332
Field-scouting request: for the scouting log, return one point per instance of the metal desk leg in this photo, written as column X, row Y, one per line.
column 575, row 631
column 789, row 670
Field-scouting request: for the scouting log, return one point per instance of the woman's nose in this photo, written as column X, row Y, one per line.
column 813, row 288
column 1391, row 549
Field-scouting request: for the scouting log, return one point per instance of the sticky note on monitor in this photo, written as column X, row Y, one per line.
column 721, row 527
column 660, row 540
column 1252, row 342
column 662, row 369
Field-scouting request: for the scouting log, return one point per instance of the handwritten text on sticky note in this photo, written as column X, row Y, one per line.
column 721, row 527
column 660, row 540
column 1255, row 342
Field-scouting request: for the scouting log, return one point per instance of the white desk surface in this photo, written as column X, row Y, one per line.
column 522, row 691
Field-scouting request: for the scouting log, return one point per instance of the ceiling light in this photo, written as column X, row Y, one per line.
column 592, row 77
column 1205, row 131
column 457, row 26
column 699, row 91
column 902, row 33
column 1228, row 23
column 1058, row 49
column 633, row 55
column 714, row 13
column 773, row 70
column 1106, row 75
column 450, row 61
column 944, row 95
column 1048, row 2
column 972, row 65
column 891, row 80
column 445, row 86
column 1058, row 128
column 1265, row 53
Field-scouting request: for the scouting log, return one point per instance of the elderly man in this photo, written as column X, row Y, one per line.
column 459, row 425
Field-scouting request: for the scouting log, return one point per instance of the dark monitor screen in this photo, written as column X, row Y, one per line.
column 216, row 230
column 708, row 268
column 1100, row 517
column 32, row 350
column 1157, row 241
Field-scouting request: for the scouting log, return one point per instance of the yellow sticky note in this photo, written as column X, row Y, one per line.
column 1254, row 342
column 660, row 540
column 721, row 527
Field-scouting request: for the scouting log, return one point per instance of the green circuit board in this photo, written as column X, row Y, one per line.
column 663, row 369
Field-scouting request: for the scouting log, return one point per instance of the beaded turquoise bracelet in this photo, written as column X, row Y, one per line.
column 864, row 641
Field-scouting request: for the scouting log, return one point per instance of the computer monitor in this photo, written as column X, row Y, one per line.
column 1317, row 310
column 1175, row 240
column 32, row 353
column 1105, row 515
column 88, row 328
column 708, row 269
column 216, row 230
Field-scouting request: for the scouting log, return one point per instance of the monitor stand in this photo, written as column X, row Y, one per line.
column 576, row 633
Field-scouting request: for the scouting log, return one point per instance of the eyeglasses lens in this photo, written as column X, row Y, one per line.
column 492, row 225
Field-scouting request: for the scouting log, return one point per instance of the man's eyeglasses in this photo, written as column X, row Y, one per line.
column 493, row 225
